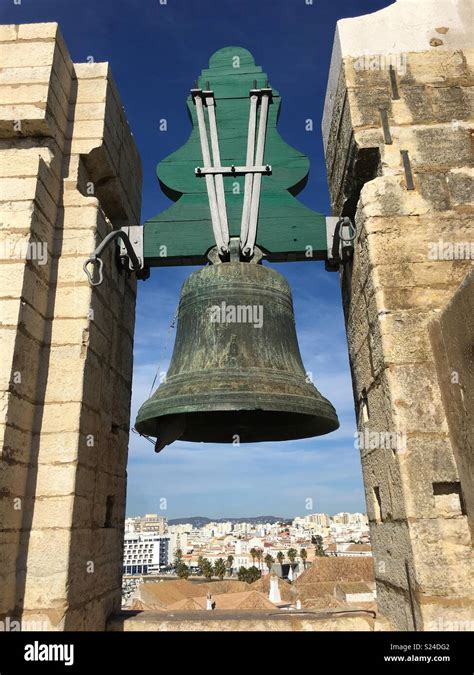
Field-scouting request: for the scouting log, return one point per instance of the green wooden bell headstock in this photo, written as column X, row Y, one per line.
column 183, row 233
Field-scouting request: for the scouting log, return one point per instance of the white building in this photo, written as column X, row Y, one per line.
column 241, row 547
column 150, row 522
column 224, row 528
column 182, row 528
column 321, row 519
column 241, row 560
column 179, row 540
column 146, row 553
column 350, row 518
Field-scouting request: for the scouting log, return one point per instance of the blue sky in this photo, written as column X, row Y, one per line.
column 156, row 51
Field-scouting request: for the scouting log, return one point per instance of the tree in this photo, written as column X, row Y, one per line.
column 182, row 570
column 229, row 563
column 280, row 557
column 253, row 553
column 253, row 574
column 219, row 568
column 206, row 568
column 200, row 561
column 242, row 573
column 259, row 556
column 291, row 554
column 178, row 555
column 249, row 575
column 303, row 556
column 269, row 560
column 317, row 541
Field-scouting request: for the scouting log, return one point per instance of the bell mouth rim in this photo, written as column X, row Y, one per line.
column 278, row 426
column 305, row 414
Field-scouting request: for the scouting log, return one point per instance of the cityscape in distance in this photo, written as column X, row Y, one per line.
column 315, row 561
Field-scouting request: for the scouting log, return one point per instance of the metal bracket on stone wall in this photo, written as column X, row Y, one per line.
column 130, row 253
column 135, row 238
column 341, row 233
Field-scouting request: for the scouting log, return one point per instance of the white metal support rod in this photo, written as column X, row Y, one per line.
column 233, row 170
column 244, row 224
column 211, row 191
column 219, row 180
column 257, row 179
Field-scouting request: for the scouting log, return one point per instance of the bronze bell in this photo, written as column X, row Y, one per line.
column 236, row 370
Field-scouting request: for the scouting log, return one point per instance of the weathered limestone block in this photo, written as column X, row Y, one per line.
column 396, row 604
column 110, row 160
column 35, row 85
column 427, row 461
column 392, row 539
column 455, row 554
column 381, row 471
column 416, row 398
column 461, row 186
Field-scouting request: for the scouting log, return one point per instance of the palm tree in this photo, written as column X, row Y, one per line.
column 291, row 554
column 259, row 557
column 269, row 560
column 303, row 556
column 230, row 562
column 253, row 553
column 318, row 545
column 280, row 558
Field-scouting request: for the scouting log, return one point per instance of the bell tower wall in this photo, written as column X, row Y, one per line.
column 397, row 131
column 70, row 174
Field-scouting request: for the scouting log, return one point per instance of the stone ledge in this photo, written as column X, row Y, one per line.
column 244, row 620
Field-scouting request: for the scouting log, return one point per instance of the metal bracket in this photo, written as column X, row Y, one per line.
column 235, row 254
column 130, row 253
column 232, row 170
column 340, row 246
column 135, row 236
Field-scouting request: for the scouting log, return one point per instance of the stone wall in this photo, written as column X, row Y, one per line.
column 452, row 337
column 222, row 620
column 69, row 174
column 398, row 131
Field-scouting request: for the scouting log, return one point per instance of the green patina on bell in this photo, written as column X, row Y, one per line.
column 236, row 369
